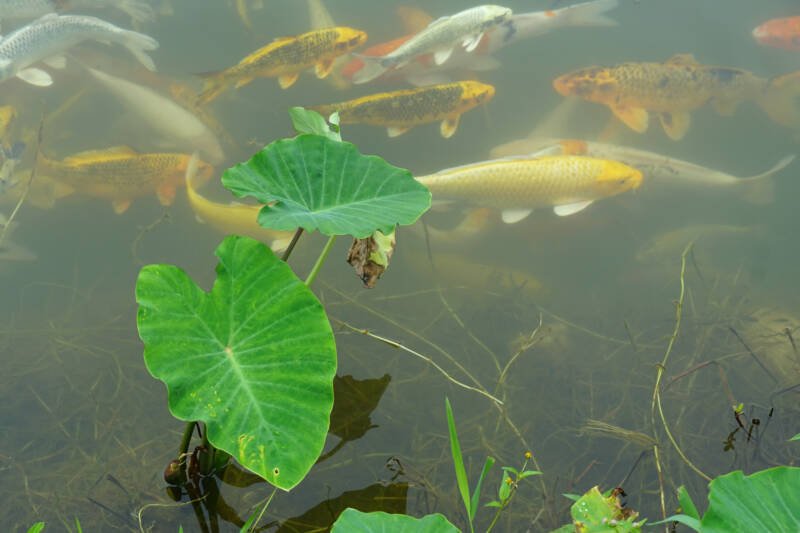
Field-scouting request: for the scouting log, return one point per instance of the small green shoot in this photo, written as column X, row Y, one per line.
column 36, row 528
column 508, row 486
column 796, row 437
column 308, row 121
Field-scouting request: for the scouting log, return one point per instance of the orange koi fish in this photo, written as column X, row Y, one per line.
column 120, row 174
column 673, row 89
column 779, row 33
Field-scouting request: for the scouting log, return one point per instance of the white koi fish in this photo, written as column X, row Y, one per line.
column 20, row 9
column 441, row 37
column 46, row 38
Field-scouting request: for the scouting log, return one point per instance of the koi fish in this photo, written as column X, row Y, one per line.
column 422, row 70
column 517, row 185
column 658, row 168
column 51, row 35
column 673, row 89
column 176, row 124
column 781, row 33
column 120, row 174
column 236, row 218
column 16, row 9
column 465, row 28
column 401, row 110
column 668, row 245
column 285, row 58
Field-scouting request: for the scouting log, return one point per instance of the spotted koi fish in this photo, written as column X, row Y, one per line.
column 399, row 111
column 285, row 58
column 673, row 89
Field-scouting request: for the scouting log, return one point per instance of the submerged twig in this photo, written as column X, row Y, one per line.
column 395, row 344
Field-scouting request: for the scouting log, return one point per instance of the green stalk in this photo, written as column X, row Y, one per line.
column 320, row 260
column 188, row 431
column 288, row 251
column 207, row 458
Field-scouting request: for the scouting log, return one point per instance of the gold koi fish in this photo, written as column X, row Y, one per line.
column 285, row 58
column 672, row 90
column 120, row 174
column 517, row 185
column 399, row 111
column 233, row 218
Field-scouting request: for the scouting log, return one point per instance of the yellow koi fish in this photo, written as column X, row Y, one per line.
column 233, row 218
column 672, row 90
column 285, row 58
column 399, row 111
column 120, row 174
column 517, row 185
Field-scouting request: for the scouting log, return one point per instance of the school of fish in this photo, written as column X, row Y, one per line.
column 431, row 72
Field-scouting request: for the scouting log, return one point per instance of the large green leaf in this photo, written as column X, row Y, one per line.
column 316, row 183
column 254, row 358
column 353, row 521
column 768, row 500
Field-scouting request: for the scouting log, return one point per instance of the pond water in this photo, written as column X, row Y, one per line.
column 565, row 319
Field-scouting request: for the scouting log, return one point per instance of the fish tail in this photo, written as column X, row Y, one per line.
column 138, row 44
column 588, row 14
column 780, row 100
column 373, row 68
column 760, row 189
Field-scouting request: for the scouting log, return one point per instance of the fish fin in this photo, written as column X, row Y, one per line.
column 213, row 86
column 483, row 63
column 137, row 44
column 372, row 68
column 570, row 209
column 413, row 19
column 166, row 194
column 636, row 118
column 780, row 100
column 120, row 206
column 675, row 124
column 512, row 216
column 449, row 126
column 682, row 59
column 725, row 106
column 396, row 131
column 58, row 62
column 287, row 80
column 103, row 154
column 587, row 14
column 35, row 76
column 440, row 56
column 241, row 82
column 472, row 42
column 323, row 68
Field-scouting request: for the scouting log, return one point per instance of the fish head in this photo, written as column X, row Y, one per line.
column 348, row 39
column 495, row 15
column 596, row 84
column 616, row 178
column 476, row 93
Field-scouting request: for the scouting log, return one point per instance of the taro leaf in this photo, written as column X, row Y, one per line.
column 593, row 511
column 315, row 183
column 253, row 359
column 355, row 521
column 389, row 498
column 768, row 500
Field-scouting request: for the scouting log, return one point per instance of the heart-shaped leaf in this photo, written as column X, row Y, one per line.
column 354, row 521
column 254, row 358
column 313, row 182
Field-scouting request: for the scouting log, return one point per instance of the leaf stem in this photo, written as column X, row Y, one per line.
column 288, row 251
column 320, row 260
column 188, row 431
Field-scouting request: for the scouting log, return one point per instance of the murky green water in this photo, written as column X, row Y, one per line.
column 85, row 432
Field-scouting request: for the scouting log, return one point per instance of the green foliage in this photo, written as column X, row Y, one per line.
column 595, row 512
column 768, row 500
column 470, row 502
column 254, row 358
column 796, row 437
column 36, row 528
column 354, row 521
column 313, row 182
column 308, row 121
